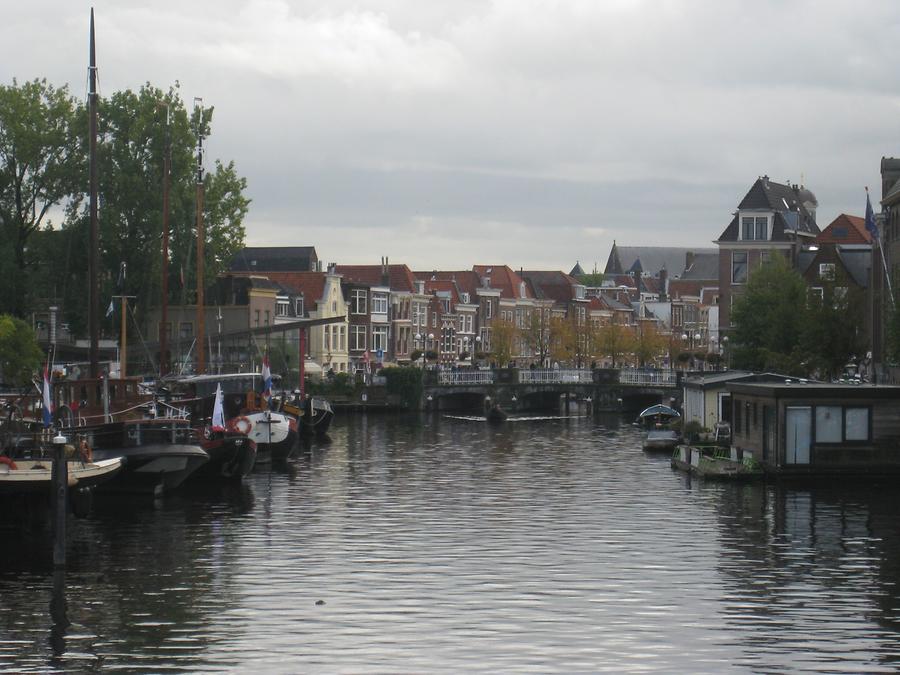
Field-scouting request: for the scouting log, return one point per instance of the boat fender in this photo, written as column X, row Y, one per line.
column 9, row 462
column 241, row 424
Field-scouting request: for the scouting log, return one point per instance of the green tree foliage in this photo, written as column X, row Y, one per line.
column 131, row 149
column 648, row 343
column 39, row 171
column 768, row 320
column 614, row 341
column 594, row 279
column 503, row 339
column 832, row 332
column 20, row 354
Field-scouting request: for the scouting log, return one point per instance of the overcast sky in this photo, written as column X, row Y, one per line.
column 525, row 132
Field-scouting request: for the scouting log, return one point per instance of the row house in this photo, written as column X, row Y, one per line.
column 773, row 218
column 515, row 304
column 384, row 309
column 453, row 310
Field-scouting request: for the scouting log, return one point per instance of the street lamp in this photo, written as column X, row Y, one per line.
column 431, row 340
column 476, row 348
column 419, row 338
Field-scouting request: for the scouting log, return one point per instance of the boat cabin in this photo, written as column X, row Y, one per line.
column 796, row 427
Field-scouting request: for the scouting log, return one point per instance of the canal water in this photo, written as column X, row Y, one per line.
column 436, row 544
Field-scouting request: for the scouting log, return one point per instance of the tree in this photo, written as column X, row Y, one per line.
column 768, row 320
column 503, row 337
column 648, row 343
column 594, row 279
column 131, row 149
column 614, row 341
column 537, row 335
column 562, row 340
column 20, row 354
column 40, row 166
column 832, row 332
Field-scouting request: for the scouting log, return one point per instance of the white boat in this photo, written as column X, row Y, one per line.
column 25, row 476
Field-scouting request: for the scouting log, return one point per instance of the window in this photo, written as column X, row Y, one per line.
column 358, row 301
column 379, row 338
column 755, row 228
column 488, row 310
column 826, row 270
column 282, row 307
column 186, row 330
column 856, row 424
column 357, row 338
column 268, row 314
column 828, row 424
column 342, row 331
column 739, row 267
column 257, row 317
column 379, row 303
column 420, row 314
column 326, row 339
column 298, row 306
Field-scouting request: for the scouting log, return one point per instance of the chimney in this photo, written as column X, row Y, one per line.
column 385, row 276
column 663, row 284
column 637, row 280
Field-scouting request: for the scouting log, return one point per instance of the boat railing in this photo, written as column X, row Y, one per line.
column 648, row 377
column 464, row 377
column 555, row 376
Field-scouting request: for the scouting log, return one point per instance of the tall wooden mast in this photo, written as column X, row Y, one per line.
column 201, row 240
column 164, row 318
column 94, row 252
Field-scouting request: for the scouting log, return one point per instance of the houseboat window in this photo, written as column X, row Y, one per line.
column 856, row 424
column 828, row 424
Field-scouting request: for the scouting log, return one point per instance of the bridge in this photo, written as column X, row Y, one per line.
column 515, row 389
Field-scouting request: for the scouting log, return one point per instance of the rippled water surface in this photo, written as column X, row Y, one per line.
column 438, row 545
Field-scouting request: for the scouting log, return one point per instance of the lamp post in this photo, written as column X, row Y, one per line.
column 431, row 340
column 725, row 352
column 419, row 338
column 476, row 348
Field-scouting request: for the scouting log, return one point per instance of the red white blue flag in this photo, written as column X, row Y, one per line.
column 48, row 401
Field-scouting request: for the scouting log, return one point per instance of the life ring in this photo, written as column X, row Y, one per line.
column 8, row 461
column 241, row 425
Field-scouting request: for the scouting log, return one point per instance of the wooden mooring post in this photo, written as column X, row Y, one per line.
column 60, row 484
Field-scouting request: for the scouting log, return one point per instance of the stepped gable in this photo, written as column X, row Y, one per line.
column 260, row 259
column 845, row 229
column 399, row 277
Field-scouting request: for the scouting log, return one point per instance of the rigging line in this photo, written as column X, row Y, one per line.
column 141, row 336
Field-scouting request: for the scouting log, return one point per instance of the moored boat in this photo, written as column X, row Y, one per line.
column 30, row 476
column 659, row 436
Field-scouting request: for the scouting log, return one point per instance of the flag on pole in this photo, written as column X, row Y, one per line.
column 871, row 227
column 110, row 309
column 218, row 416
column 48, row 402
column 266, row 377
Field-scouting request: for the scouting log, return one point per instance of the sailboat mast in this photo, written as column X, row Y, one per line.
column 201, row 239
column 94, row 252
column 164, row 318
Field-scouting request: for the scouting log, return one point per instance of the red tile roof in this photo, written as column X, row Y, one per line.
column 310, row 284
column 466, row 280
column 845, row 229
column 504, row 279
column 400, row 278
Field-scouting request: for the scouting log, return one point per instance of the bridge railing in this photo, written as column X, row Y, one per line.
column 667, row 378
column 555, row 376
column 463, row 377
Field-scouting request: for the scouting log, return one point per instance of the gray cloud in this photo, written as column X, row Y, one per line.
column 521, row 131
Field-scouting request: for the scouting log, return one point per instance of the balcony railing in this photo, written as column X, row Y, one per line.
column 649, row 377
column 555, row 376
column 462, row 377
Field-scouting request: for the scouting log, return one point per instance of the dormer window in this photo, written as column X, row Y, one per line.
column 755, row 228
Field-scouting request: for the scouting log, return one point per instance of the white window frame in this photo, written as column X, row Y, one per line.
column 358, row 301
column 380, row 338
column 357, row 331
column 379, row 303
column 758, row 228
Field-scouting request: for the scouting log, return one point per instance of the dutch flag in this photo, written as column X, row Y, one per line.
column 48, row 402
column 266, row 377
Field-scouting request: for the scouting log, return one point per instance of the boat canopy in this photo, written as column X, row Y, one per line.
column 659, row 410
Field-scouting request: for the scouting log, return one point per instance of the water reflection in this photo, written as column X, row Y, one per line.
column 432, row 544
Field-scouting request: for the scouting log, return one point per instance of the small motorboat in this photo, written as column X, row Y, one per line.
column 495, row 414
column 659, row 437
column 28, row 476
